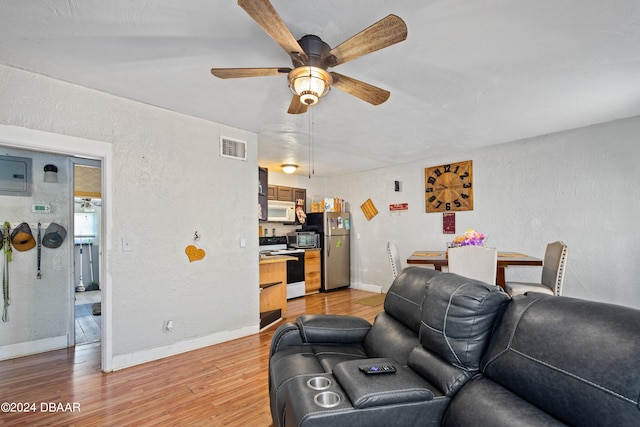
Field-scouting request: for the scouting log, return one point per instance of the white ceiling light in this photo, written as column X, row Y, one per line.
column 289, row 168
column 309, row 83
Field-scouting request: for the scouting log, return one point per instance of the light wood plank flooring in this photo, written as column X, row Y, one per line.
column 220, row 385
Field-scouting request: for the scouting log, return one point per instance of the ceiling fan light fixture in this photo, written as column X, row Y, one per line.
column 289, row 168
column 309, row 83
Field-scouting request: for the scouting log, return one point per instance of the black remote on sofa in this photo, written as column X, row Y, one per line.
column 378, row 369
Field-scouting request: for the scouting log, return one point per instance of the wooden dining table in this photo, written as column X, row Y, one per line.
column 439, row 259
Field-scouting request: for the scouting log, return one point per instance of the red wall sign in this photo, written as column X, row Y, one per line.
column 399, row 207
column 449, row 223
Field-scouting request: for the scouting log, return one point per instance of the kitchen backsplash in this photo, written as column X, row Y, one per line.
column 267, row 229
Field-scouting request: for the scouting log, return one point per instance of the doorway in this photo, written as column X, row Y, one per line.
column 87, row 218
column 47, row 142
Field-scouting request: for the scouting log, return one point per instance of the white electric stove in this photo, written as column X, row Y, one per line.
column 277, row 245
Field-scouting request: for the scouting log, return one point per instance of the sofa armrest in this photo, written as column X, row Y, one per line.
column 286, row 335
column 332, row 328
column 366, row 391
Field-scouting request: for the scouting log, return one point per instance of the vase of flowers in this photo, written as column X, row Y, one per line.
column 469, row 238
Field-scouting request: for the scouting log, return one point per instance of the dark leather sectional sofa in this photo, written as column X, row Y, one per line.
column 465, row 354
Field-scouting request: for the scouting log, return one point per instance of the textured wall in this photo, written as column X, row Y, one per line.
column 578, row 186
column 168, row 181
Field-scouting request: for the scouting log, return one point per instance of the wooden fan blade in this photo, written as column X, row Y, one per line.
column 297, row 106
column 265, row 15
column 372, row 94
column 386, row 32
column 234, row 73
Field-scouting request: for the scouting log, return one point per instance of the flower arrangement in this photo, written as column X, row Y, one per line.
column 470, row 238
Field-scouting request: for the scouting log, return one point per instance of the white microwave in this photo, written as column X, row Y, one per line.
column 279, row 211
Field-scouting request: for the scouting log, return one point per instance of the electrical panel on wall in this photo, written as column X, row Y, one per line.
column 15, row 176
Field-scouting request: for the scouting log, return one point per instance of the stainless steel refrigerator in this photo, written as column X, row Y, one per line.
column 334, row 229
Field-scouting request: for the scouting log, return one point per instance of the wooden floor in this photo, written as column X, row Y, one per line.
column 220, row 385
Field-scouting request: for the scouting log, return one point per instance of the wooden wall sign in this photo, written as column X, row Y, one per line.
column 449, row 188
column 369, row 209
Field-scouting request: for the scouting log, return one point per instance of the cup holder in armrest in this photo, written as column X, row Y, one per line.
column 327, row 399
column 319, row 383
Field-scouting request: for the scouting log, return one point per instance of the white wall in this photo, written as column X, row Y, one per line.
column 579, row 186
column 168, row 181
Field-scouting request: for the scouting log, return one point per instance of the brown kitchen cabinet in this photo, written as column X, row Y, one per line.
column 272, row 192
column 285, row 194
column 288, row 194
column 300, row 194
column 282, row 193
column 263, row 183
column 312, row 271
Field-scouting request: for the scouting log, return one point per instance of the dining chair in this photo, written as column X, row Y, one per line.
column 474, row 262
column 394, row 259
column 553, row 266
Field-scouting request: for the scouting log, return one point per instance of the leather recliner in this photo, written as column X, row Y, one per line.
column 434, row 330
column 466, row 355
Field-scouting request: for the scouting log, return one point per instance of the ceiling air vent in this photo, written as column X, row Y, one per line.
column 233, row 149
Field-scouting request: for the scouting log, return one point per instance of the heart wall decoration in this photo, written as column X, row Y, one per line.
column 193, row 253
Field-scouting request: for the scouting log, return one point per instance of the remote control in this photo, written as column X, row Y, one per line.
column 378, row 369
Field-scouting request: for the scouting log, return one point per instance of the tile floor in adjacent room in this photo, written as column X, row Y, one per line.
column 87, row 324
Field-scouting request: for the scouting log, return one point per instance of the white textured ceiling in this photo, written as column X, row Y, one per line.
column 471, row 73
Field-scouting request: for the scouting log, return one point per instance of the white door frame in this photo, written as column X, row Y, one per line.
column 30, row 139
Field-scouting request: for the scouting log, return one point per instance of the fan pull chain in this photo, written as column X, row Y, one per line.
column 311, row 145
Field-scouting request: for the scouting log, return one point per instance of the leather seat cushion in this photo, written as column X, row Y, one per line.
column 483, row 403
column 390, row 338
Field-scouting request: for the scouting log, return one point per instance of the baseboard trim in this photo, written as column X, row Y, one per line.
column 33, row 347
column 123, row 361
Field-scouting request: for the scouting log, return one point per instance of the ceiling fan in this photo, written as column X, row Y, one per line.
column 87, row 204
column 309, row 79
